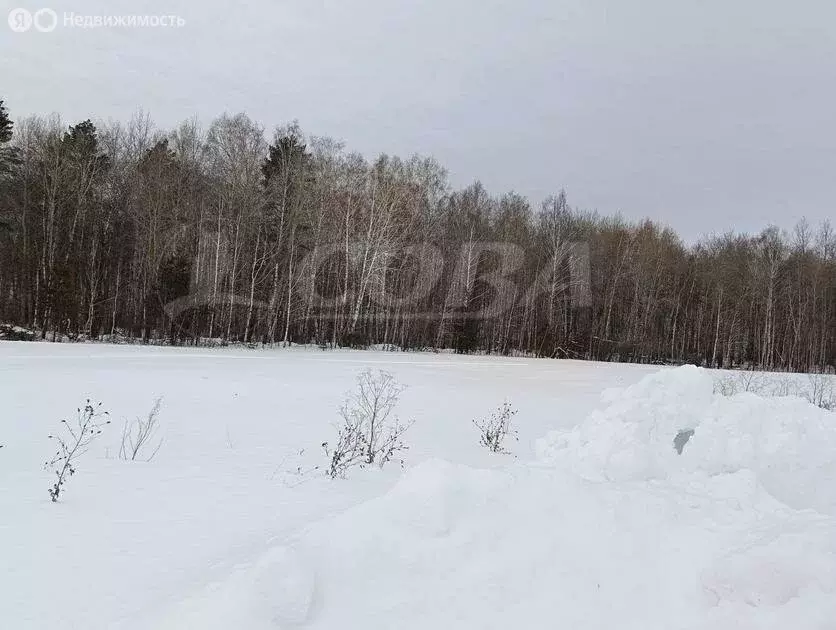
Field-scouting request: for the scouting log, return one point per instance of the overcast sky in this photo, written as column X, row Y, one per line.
column 708, row 115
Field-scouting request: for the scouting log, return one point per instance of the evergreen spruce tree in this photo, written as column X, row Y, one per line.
column 8, row 158
column 6, row 124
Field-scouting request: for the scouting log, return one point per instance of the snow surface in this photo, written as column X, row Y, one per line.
column 596, row 523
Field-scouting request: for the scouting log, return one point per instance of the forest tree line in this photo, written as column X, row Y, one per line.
column 119, row 230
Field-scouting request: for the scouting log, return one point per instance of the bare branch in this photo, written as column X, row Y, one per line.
column 137, row 436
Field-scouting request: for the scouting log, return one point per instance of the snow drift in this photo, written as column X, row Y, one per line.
column 608, row 528
column 787, row 443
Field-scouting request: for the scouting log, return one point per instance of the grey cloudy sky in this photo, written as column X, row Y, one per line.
column 708, row 115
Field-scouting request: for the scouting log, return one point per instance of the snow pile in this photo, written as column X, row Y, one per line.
column 454, row 547
column 789, row 444
column 611, row 528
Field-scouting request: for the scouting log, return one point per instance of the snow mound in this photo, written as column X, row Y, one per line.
column 283, row 586
column 789, row 444
column 609, row 528
column 536, row 547
column 276, row 591
column 450, row 546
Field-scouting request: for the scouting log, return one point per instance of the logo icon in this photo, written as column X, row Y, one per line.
column 20, row 20
column 45, row 20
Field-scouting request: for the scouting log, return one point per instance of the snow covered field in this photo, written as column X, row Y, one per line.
column 596, row 523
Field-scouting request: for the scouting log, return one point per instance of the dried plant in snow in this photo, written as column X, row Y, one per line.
column 821, row 391
column 139, row 437
column 73, row 442
column 369, row 432
column 818, row 391
column 493, row 431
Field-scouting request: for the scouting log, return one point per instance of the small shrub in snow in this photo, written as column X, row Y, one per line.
column 751, row 382
column 494, row 431
column 731, row 384
column 369, row 432
column 73, row 442
column 726, row 385
column 821, row 392
column 818, row 391
column 786, row 386
column 139, row 437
